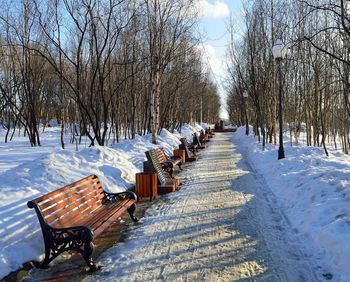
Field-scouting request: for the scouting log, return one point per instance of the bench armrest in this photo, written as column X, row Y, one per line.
column 113, row 197
column 83, row 233
column 167, row 164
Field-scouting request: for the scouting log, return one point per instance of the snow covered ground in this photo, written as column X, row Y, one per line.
column 313, row 191
column 27, row 172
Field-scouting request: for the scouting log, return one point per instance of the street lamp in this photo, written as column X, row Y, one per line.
column 279, row 52
column 245, row 97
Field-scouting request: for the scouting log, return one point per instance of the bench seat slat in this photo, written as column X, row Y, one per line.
column 100, row 228
column 67, row 187
column 64, row 203
column 84, row 213
column 77, row 215
column 96, row 217
column 74, row 197
column 68, row 193
column 82, row 204
column 105, row 213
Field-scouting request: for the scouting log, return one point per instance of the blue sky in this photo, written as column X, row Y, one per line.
column 214, row 18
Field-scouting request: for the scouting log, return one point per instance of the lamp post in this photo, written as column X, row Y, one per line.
column 279, row 52
column 245, row 97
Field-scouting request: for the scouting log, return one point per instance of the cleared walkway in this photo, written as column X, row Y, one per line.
column 221, row 226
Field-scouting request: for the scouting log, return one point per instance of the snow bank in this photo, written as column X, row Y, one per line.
column 314, row 193
column 134, row 149
column 187, row 130
column 30, row 172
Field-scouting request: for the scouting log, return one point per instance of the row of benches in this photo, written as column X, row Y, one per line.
column 159, row 163
column 72, row 216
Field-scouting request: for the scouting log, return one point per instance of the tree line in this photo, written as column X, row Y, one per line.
column 315, row 73
column 104, row 69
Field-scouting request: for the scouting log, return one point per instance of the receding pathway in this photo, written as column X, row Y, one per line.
column 221, row 226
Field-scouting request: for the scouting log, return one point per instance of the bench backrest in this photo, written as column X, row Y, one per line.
column 184, row 146
column 196, row 139
column 156, row 166
column 68, row 203
column 162, row 157
column 184, row 141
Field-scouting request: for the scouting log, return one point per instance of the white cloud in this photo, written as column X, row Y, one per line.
column 217, row 9
column 211, row 57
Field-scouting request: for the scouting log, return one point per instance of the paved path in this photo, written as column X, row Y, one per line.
column 221, row 226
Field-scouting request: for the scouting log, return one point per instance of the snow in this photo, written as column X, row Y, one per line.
column 313, row 192
column 188, row 130
column 27, row 173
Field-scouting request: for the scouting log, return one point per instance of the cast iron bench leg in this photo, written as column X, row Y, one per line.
column 171, row 171
column 131, row 212
column 87, row 255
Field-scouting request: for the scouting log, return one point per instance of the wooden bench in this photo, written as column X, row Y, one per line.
column 72, row 216
column 184, row 146
column 204, row 136
column 165, row 184
column 210, row 132
column 192, row 147
column 168, row 163
column 197, row 141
